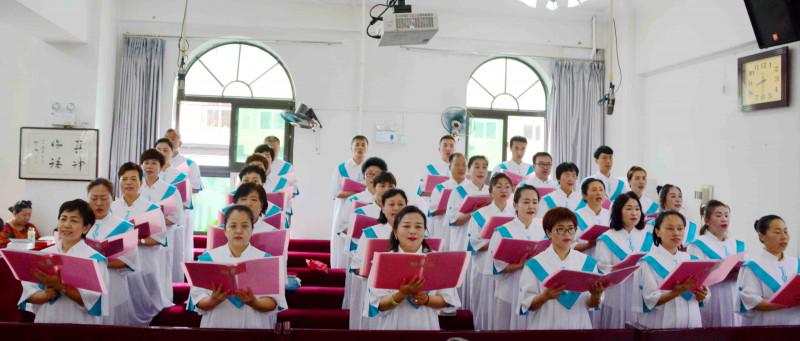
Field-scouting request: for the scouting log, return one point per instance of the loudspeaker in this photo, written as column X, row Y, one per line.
column 775, row 22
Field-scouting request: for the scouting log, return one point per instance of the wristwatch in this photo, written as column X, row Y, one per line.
column 142, row 241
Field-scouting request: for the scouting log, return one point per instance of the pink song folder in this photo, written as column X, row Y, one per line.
column 441, row 206
column 440, row 270
column 115, row 246
column 374, row 246
column 278, row 199
column 698, row 270
column 545, row 191
column 725, row 266
column 431, row 181
column 512, row 251
column 629, row 261
column 264, row 276
column 579, row 281
column 169, row 206
column 360, row 223
column 789, row 294
column 148, row 223
column 276, row 243
column 493, row 224
column 184, row 189
column 515, row 178
column 276, row 220
column 353, row 186
column 606, row 204
column 474, row 202
column 593, row 232
column 76, row 272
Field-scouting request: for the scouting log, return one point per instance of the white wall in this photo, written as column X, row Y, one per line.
column 681, row 109
column 403, row 88
column 39, row 73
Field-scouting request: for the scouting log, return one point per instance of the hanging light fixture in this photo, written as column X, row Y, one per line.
column 531, row 3
column 573, row 3
column 552, row 5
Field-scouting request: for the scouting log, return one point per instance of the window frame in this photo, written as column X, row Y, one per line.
column 503, row 114
column 287, row 144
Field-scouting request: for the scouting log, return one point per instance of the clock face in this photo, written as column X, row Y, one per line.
column 762, row 81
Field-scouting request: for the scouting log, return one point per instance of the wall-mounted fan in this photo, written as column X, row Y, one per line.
column 304, row 117
column 455, row 120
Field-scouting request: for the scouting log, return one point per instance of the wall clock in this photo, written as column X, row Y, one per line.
column 764, row 80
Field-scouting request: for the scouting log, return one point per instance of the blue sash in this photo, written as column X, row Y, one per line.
column 662, row 272
column 343, row 171
column 567, row 298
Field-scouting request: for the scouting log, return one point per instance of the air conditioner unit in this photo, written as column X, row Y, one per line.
column 408, row 29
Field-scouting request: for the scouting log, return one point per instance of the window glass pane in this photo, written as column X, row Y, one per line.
column 208, row 202
column 254, row 62
column 534, row 99
column 520, row 77
column 200, row 82
column 222, row 62
column 505, row 102
column 274, row 84
column 249, row 131
column 237, row 89
column 492, row 76
column 532, row 128
column 477, row 97
column 205, row 132
column 490, row 142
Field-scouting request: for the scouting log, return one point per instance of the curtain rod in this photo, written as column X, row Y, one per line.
column 492, row 54
column 169, row 36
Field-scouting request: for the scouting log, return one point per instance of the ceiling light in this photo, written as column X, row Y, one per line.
column 573, row 3
column 552, row 5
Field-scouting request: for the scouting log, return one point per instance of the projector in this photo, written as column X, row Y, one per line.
column 408, row 29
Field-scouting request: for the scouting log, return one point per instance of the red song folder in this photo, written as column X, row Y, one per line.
column 440, row 270
column 789, row 294
column 353, row 186
column 515, row 178
column 698, row 270
column 360, row 223
column 76, row 272
column 629, row 261
column 264, row 276
column 492, row 224
column 376, row 245
column 441, row 206
column 580, row 281
column 593, row 232
column 430, row 183
column 148, row 223
column 115, row 246
column 474, row 202
column 512, row 251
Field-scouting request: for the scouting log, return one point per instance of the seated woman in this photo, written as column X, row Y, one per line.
column 765, row 274
column 20, row 223
column 239, row 309
column 555, row 308
column 409, row 308
column 676, row 308
column 54, row 302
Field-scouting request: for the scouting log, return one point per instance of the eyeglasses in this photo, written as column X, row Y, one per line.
column 565, row 230
column 544, row 164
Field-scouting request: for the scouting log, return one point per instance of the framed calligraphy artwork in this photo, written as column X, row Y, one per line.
column 58, row 153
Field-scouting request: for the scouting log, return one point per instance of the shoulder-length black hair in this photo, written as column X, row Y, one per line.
column 394, row 243
column 616, row 211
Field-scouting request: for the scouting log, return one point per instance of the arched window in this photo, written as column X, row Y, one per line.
column 233, row 96
column 506, row 97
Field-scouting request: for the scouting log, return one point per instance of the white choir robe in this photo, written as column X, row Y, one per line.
column 285, row 169
column 182, row 229
column 614, row 186
column 720, row 312
column 436, row 168
column 587, row 218
column 481, row 276
column 159, row 192
column 690, row 232
column 372, row 210
column 196, row 180
column 682, row 311
column 406, row 316
column 537, row 183
column 119, row 295
column 459, row 234
column 649, row 206
column 62, row 309
column 506, row 285
column 612, row 247
column 358, row 285
column 759, row 279
column 345, row 221
column 148, row 292
column 437, row 225
column 522, row 169
column 346, row 170
column 559, row 198
column 232, row 313
column 569, row 310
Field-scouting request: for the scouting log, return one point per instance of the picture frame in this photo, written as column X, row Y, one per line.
column 61, row 154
